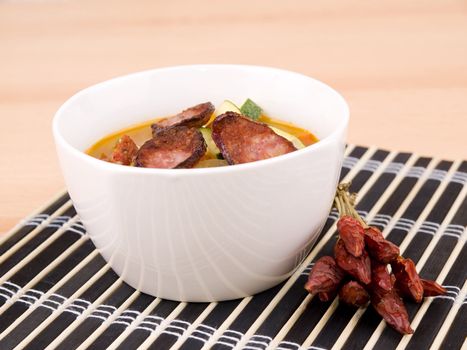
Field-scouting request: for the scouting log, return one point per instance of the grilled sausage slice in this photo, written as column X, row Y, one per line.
column 124, row 151
column 175, row 147
column 242, row 140
column 195, row 116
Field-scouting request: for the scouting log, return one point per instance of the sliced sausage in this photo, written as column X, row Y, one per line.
column 175, row 147
column 195, row 116
column 124, row 151
column 242, row 140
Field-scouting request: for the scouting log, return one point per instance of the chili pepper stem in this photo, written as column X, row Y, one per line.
column 337, row 204
column 345, row 203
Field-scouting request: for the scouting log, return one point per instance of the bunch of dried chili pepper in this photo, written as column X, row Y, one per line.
column 358, row 273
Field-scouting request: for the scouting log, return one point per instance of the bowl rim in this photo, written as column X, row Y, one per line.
column 60, row 139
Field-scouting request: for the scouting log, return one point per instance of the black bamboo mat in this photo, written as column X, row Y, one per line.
column 57, row 292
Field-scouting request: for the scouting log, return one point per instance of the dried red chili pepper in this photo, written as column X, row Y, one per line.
column 352, row 234
column 352, row 293
column 326, row 296
column 380, row 277
column 393, row 280
column 379, row 248
column 325, row 276
column 360, row 267
column 431, row 288
column 353, row 258
column 391, row 307
column 407, row 280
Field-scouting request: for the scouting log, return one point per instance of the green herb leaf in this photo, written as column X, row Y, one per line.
column 251, row 109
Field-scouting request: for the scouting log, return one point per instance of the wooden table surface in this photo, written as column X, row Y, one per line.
column 401, row 65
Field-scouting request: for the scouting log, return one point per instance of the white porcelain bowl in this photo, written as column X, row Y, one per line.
column 203, row 234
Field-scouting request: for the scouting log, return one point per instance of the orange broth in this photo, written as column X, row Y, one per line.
column 142, row 132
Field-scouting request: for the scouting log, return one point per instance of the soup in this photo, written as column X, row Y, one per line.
column 202, row 136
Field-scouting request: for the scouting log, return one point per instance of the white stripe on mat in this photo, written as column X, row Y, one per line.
column 107, row 321
column 49, row 293
column 34, row 213
column 163, row 325
column 458, row 299
column 43, row 273
column 117, row 318
column 377, row 333
column 33, row 233
column 193, row 326
column 68, row 227
column 37, row 250
column 65, row 304
column 278, row 338
column 444, row 272
column 449, row 319
column 134, row 324
column 227, row 322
